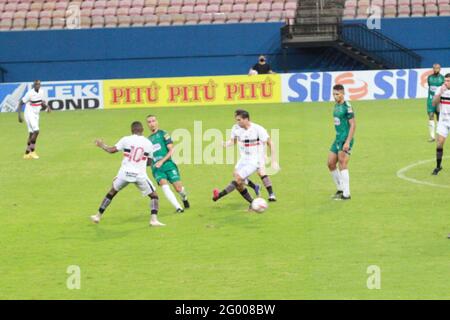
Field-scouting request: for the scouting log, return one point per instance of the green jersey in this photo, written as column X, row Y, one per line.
column 342, row 114
column 160, row 139
column 434, row 82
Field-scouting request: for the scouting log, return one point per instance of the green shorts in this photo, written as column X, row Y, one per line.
column 337, row 146
column 430, row 108
column 168, row 171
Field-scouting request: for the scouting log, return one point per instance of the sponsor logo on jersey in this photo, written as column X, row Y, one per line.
column 156, row 147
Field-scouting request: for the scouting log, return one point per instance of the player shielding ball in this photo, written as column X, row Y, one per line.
column 441, row 101
column 34, row 101
column 164, row 169
column 344, row 122
column 434, row 81
column 251, row 139
column 137, row 150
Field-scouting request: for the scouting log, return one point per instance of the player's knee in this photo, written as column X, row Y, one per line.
column 342, row 165
column 331, row 165
column 153, row 196
column 238, row 179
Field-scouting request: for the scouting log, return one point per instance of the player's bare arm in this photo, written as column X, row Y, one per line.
column 274, row 161
column 351, row 132
column 19, row 112
column 99, row 143
column 167, row 156
column 229, row 143
column 46, row 107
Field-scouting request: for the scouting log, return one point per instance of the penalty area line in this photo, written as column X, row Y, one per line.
column 402, row 175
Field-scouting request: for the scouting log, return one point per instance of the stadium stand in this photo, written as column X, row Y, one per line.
column 359, row 9
column 56, row 14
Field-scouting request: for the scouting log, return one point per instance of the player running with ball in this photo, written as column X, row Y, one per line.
column 344, row 122
column 251, row 139
column 137, row 151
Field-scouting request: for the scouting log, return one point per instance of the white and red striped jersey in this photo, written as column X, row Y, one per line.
column 444, row 104
column 251, row 142
column 136, row 150
column 33, row 100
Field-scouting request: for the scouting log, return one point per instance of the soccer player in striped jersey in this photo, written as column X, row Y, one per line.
column 441, row 100
column 137, row 151
column 344, row 123
column 34, row 101
column 251, row 139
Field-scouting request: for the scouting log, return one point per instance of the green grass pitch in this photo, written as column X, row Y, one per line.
column 305, row 246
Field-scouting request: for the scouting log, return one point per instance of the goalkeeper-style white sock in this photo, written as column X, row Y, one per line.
column 170, row 196
column 345, row 182
column 337, row 179
column 431, row 128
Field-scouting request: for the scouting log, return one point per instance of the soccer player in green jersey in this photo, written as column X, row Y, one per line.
column 434, row 80
column 164, row 170
column 344, row 123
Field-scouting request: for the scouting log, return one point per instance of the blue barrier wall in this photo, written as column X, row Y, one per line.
column 427, row 36
column 190, row 50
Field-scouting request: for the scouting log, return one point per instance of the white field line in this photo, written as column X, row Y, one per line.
column 402, row 175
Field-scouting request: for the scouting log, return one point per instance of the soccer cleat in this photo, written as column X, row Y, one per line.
column 431, row 140
column 342, row 197
column 96, row 218
column 34, row 155
column 156, row 223
column 216, row 194
column 180, row 210
column 27, row 156
column 272, row 198
column 436, row 171
column 186, row 204
column 257, row 190
column 337, row 195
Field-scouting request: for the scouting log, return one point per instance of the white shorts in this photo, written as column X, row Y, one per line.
column 32, row 121
column 245, row 169
column 144, row 184
column 443, row 128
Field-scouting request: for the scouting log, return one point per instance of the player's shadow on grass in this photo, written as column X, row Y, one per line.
column 234, row 214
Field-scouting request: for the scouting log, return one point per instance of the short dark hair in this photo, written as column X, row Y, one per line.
column 338, row 87
column 136, row 126
column 447, row 75
column 242, row 113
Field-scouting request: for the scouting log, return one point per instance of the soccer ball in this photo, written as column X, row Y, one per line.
column 259, row 205
column 253, row 72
